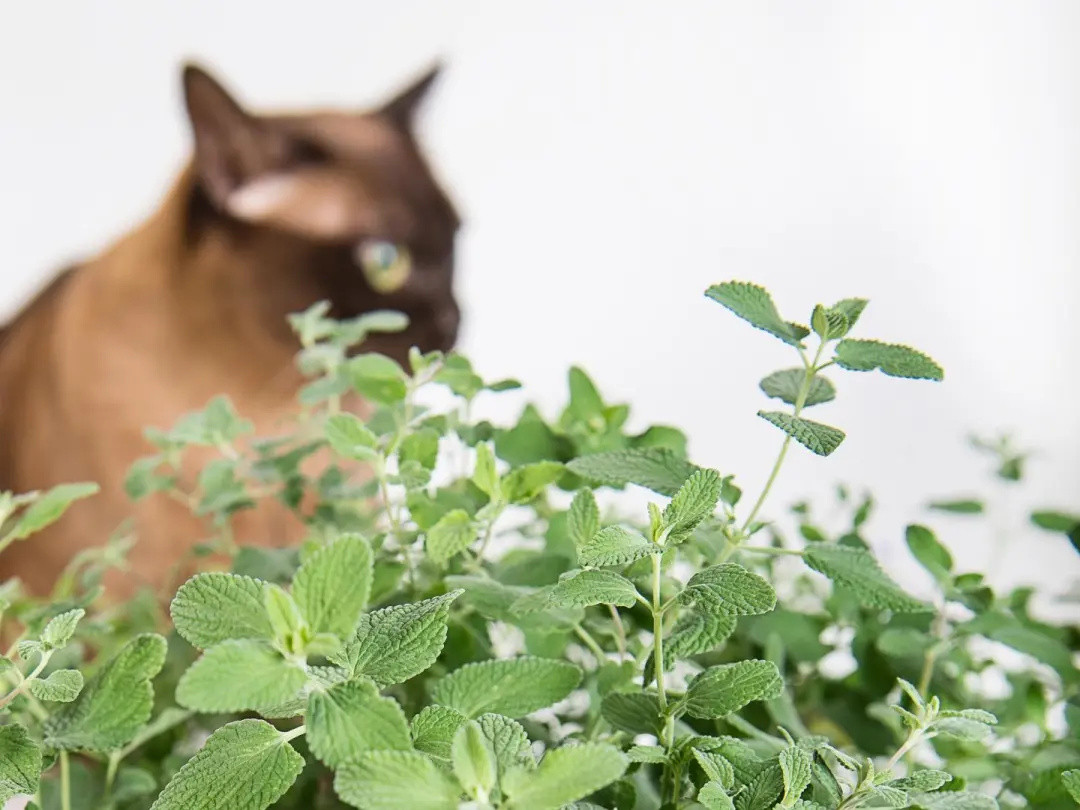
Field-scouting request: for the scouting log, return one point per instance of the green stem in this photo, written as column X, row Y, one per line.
column 21, row 686
column 296, row 732
column 65, row 781
column 591, row 643
column 620, row 631
column 778, row 552
column 658, row 633
column 110, row 773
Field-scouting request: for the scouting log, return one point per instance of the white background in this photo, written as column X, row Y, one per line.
column 612, row 159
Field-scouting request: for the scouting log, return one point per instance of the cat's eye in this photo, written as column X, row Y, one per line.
column 385, row 265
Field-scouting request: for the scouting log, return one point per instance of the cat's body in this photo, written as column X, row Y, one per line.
column 270, row 217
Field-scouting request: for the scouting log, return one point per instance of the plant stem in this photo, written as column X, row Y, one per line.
column 65, row 781
column 110, row 773
column 620, row 631
column 590, row 642
column 20, row 687
column 790, row 552
column 658, row 633
column 296, row 732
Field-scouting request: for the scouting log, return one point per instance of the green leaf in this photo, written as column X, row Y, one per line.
column 585, row 401
column 508, row 741
column 391, row 780
column 513, row 687
column 651, row 754
column 237, row 676
column 616, row 545
column 716, row 767
column 350, row 438
column 697, row 631
column 851, row 309
column 60, row 628
column 795, row 765
column 564, row 775
column 755, row 306
column 215, row 607
column 814, row 436
column 730, row 590
column 394, row 644
column 352, row 717
column 1071, row 780
column 893, row 359
column 763, row 790
column 20, row 762
column 523, row 484
column 114, row 704
column 655, row 468
column 333, row 585
column 285, row 618
column 858, row 571
column 786, row 384
column 473, row 760
column 922, row 781
column 712, row 796
column 723, row 689
column 1055, row 521
column 959, row 507
column 829, row 323
column 695, row 501
column 952, row 800
column 62, row 686
column 377, row 378
column 583, row 519
column 244, row 765
column 454, row 533
column 433, row 729
column 49, row 508
column 933, row 556
column 484, row 475
column 592, row 587
column 421, row 447
column 632, row 712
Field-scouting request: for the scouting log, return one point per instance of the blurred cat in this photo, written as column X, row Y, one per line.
column 273, row 213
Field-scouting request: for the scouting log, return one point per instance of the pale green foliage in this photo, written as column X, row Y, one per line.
column 726, row 688
column 1071, row 780
column 730, row 590
column 46, row 508
column 564, row 775
column 20, row 762
column 814, row 436
column 858, row 571
column 352, row 717
column 333, row 584
column 454, row 533
column 508, row 742
column 655, row 468
column 785, row 384
column 696, row 500
column 926, row 548
column 350, row 438
column 583, row 518
column 390, row 780
column 62, row 686
column 513, row 687
column 755, row 306
column 215, row 607
column 433, row 729
column 239, row 676
column 594, row 587
column 795, row 765
column 892, row 359
column 615, row 545
column 473, row 760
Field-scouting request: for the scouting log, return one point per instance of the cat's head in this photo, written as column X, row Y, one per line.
column 345, row 196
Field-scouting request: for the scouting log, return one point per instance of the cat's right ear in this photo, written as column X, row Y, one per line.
column 230, row 145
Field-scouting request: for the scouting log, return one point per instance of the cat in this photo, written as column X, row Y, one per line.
column 271, row 214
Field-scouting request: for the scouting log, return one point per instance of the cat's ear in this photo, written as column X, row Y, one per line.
column 231, row 145
column 401, row 109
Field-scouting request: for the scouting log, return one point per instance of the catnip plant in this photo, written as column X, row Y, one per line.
column 474, row 621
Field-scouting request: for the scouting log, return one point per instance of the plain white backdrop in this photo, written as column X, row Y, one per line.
column 612, row 159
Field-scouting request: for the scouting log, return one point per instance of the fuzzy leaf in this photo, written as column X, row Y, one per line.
column 523, row 484
column 564, row 775
column 858, row 571
column 893, row 359
column 583, row 519
column 513, row 687
column 433, row 730
column 214, row 607
column 244, row 765
column 592, row 587
column 795, row 767
column 851, row 309
column 484, row 475
column 814, row 436
column 933, row 556
column 391, row 780
column 60, row 628
column 632, row 712
column 114, row 704
column 716, row 767
column 616, row 545
column 454, row 533
column 785, row 385
column 352, row 717
column 377, row 378
column 730, row 590
column 829, row 323
column 350, row 438
column 394, row 644
column 712, row 796
column 755, row 306
column 62, row 686
column 952, row 800
column 20, row 762
column 726, row 688
column 508, row 741
column 655, row 468
column 1071, row 780
column 473, row 759
column 924, row 781
column 333, row 584
column 695, row 501
column 697, row 631
column 237, row 676
column 49, row 508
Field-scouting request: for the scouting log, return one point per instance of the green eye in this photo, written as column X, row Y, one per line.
column 386, row 266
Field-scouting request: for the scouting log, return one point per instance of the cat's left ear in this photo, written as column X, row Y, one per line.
column 401, row 109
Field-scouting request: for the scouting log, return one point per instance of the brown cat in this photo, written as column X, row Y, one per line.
column 273, row 213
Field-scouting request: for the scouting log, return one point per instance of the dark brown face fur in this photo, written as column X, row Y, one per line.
column 298, row 194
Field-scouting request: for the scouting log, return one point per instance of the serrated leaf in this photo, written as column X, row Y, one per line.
column 651, row 754
column 655, row 468
column 352, row 717
column 473, row 760
column 237, row 676
column 795, row 768
column 564, row 775
column 755, row 306
column 933, row 556
column 114, row 704
column 632, row 712
column 814, row 436
column 953, row 800
column 583, row 519
column 695, row 501
column 513, row 687
column 433, row 729
column 391, row 780
column 349, row 437
column 716, row 767
column 454, row 533
column 892, row 359
column 62, row 686
column 829, row 323
column 851, row 309
column 697, row 631
column 616, row 545
column 1071, row 780
column 244, row 765
column 858, row 571
column 786, row 384
column 214, row 607
column 730, row 590
column 726, row 688
column 49, row 507
column 592, row 587
column 523, row 484
column 333, row 585
column 712, row 796
column 20, row 762
column 394, row 644
column 508, row 741
column 60, row 628
column 484, row 475
column 925, row 781
column 763, row 790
